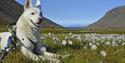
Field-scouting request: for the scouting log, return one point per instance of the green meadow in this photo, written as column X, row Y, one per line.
column 84, row 46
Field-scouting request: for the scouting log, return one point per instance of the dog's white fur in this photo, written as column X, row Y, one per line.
column 27, row 29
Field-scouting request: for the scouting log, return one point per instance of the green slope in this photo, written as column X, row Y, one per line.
column 114, row 19
column 10, row 11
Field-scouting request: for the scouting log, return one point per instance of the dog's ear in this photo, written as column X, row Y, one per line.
column 38, row 4
column 28, row 4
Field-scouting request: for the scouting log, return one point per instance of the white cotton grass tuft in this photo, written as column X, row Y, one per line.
column 101, row 62
column 70, row 33
column 114, row 44
column 64, row 42
column 97, row 43
column 70, row 42
column 85, row 47
column 79, row 38
column 49, row 33
column 123, row 44
column 93, row 47
column 66, row 37
column 107, row 43
column 56, row 40
column 103, row 53
column 90, row 44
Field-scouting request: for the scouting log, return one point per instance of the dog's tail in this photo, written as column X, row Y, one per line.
column 46, row 56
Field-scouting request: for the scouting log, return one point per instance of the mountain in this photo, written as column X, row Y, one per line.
column 10, row 11
column 112, row 20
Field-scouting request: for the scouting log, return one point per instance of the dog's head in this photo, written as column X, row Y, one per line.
column 33, row 13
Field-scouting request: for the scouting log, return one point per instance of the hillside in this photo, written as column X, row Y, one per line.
column 112, row 20
column 10, row 11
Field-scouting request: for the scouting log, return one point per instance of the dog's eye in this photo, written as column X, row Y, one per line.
column 22, row 39
column 32, row 13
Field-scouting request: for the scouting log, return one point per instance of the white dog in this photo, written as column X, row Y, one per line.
column 27, row 31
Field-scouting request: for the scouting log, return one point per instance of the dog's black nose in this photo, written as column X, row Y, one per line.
column 41, row 19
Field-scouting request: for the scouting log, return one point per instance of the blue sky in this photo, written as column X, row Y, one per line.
column 76, row 12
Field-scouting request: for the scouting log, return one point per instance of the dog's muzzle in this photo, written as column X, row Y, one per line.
column 38, row 23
